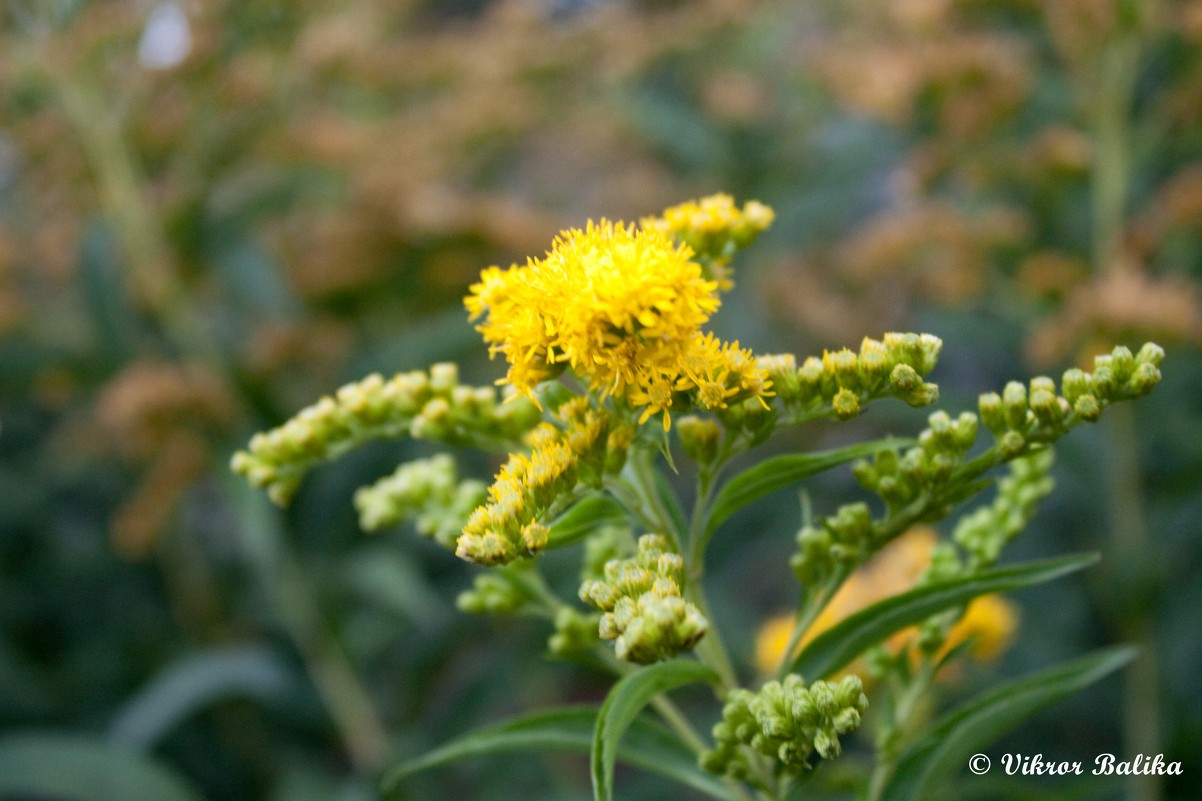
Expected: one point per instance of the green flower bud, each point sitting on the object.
(810, 379)
(875, 365)
(1105, 383)
(1045, 404)
(992, 412)
(1012, 444)
(846, 404)
(782, 372)
(1122, 363)
(964, 433)
(845, 367)
(575, 632)
(1144, 379)
(1076, 383)
(1014, 404)
(444, 377)
(1088, 408)
(699, 437)
(1150, 353)
(492, 594)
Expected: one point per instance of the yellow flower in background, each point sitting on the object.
(990, 620)
(622, 307)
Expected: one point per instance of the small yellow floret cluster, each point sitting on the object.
(529, 486)
(714, 227)
(622, 307)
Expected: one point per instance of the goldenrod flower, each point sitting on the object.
(622, 307)
(714, 227)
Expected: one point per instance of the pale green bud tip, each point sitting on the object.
(1145, 377)
(492, 595)
(699, 437)
(575, 632)
(992, 412)
(1150, 353)
(1014, 405)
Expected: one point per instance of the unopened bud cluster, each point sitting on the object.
(986, 531)
(492, 594)
(1036, 413)
(843, 381)
(900, 477)
(844, 539)
(575, 632)
(786, 722)
(432, 406)
(427, 491)
(644, 612)
(530, 488)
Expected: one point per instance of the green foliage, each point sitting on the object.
(623, 704)
(191, 253)
(836, 647)
(76, 768)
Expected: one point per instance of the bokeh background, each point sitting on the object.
(213, 212)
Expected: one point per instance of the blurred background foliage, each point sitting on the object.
(212, 212)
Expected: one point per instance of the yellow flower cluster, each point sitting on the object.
(990, 620)
(529, 486)
(623, 308)
(714, 227)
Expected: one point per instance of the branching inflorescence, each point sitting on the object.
(618, 312)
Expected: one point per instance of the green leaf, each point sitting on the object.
(781, 471)
(584, 518)
(667, 497)
(199, 681)
(945, 749)
(622, 706)
(77, 768)
(647, 745)
(839, 645)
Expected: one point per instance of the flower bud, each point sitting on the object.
(1076, 383)
(699, 437)
(1150, 353)
(1145, 377)
(1014, 404)
(1122, 363)
(992, 412)
(846, 404)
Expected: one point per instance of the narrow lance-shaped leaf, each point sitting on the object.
(196, 682)
(584, 518)
(945, 749)
(781, 471)
(839, 645)
(622, 706)
(75, 768)
(647, 745)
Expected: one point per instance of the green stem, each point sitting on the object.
(345, 697)
(889, 750)
(1114, 92)
(811, 606)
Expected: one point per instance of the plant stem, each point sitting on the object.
(1114, 91)
(889, 751)
(810, 607)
